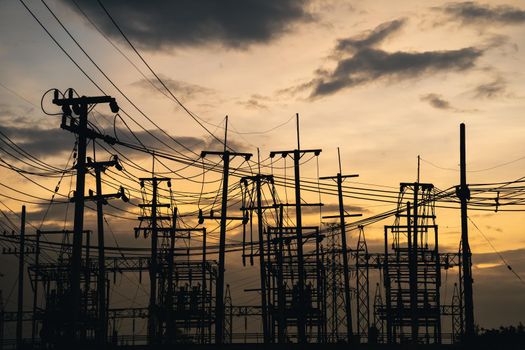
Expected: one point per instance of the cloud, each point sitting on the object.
(515, 257)
(45, 139)
(39, 141)
(254, 102)
(370, 64)
(470, 12)
(359, 61)
(371, 38)
(181, 89)
(436, 101)
(158, 24)
(493, 89)
(168, 143)
(333, 209)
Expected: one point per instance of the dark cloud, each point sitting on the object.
(359, 61)
(473, 13)
(252, 103)
(370, 64)
(181, 89)
(46, 139)
(159, 140)
(160, 24)
(498, 291)
(514, 257)
(39, 141)
(333, 209)
(370, 39)
(436, 101)
(493, 89)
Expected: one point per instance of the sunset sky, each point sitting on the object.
(385, 81)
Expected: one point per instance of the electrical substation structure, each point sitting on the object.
(315, 283)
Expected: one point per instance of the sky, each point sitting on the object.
(384, 81)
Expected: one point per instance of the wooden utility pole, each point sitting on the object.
(339, 178)
(102, 199)
(80, 107)
(259, 179)
(35, 288)
(154, 218)
(171, 331)
(226, 156)
(297, 154)
(21, 253)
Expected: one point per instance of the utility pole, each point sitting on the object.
(297, 155)
(154, 228)
(20, 309)
(79, 106)
(171, 257)
(35, 289)
(463, 193)
(412, 265)
(258, 181)
(413, 258)
(226, 156)
(101, 200)
(339, 178)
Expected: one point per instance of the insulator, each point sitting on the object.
(114, 106)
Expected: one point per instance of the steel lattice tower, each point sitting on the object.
(336, 319)
(362, 287)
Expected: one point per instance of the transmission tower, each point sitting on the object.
(335, 294)
(362, 287)
(152, 222)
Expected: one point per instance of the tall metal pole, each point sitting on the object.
(339, 178)
(262, 267)
(344, 251)
(413, 278)
(78, 225)
(219, 306)
(412, 263)
(80, 127)
(171, 257)
(20, 308)
(301, 319)
(281, 297)
(35, 294)
(464, 195)
(219, 303)
(152, 320)
(101, 278)
(297, 154)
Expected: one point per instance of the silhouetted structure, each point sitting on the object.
(312, 279)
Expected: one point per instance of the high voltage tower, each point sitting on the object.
(315, 282)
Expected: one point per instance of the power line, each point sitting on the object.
(497, 252)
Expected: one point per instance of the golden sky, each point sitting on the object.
(385, 81)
